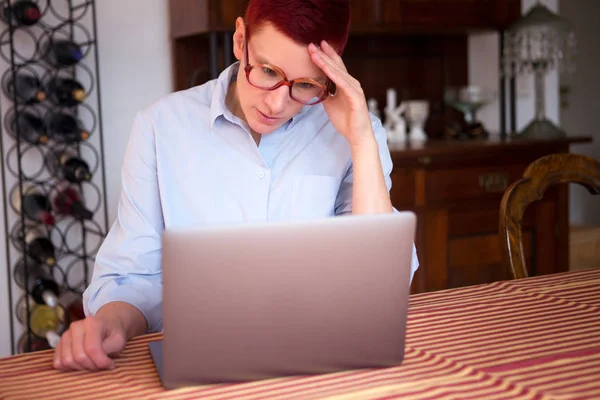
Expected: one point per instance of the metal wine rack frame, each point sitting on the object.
(76, 242)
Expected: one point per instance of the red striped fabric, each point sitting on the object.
(535, 338)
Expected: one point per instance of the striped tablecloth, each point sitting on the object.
(536, 338)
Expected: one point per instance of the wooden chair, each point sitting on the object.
(541, 174)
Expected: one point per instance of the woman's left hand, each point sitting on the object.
(347, 109)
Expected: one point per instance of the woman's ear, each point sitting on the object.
(238, 38)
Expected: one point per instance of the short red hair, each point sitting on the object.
(304, 21)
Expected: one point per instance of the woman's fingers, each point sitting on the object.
(331, 53)
(78, 349)
(335, 57)
(67, 360)
(339, 76)
(93, 343)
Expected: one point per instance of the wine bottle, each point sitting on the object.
(72, 302)
(37, 344)
(39, 283)
(34, 204)
(27, 89)
(39, 247)
(21, 12)
(67, 165)
(66, 92)
(65, 128)
(68, 201)
(44, 321)
(62, 53)
(28, 127)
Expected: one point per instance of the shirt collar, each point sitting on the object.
(218, 106)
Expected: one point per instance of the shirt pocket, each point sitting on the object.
(314, 196)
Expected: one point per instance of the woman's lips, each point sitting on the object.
(265, 119)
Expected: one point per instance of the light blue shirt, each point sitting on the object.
(191, 162)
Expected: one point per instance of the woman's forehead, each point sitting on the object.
(268, 45)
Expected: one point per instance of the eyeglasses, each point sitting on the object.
(269, 77)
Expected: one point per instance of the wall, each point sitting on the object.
(135, 70)
(483, 70)
(581, 113)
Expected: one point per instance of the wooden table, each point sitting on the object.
(536, 338)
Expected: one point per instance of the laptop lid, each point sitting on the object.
(263, 300)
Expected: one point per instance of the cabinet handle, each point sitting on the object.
(378, 12)
(425, 160)
(494, 182)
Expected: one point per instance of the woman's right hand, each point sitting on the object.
(89, 344)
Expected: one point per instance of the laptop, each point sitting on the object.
(265, 300)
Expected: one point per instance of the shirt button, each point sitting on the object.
(260, 175)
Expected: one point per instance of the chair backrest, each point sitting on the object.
(541, 174)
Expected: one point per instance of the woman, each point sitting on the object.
(284, 133)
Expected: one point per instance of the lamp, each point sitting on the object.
(537, 43)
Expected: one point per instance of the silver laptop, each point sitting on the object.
(266, 300)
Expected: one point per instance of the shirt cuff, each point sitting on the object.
(144, 293)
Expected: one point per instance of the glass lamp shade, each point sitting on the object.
(537, 43)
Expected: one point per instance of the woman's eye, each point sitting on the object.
(306, 85)
(269, 71)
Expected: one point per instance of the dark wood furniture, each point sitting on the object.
(537, 179)
(418, 47)
(456, 187)
(418, 67)
(432, 16)
(191, 17)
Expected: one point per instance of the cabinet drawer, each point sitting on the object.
(192, 17)
(402, 193)
(454, 185)
(188, 17)
(484, 220)
(467, 13)
(478, 259)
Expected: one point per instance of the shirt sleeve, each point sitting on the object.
(128, 264)
(344, 198)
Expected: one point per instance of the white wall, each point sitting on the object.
(581, 114)
(135, 70)
(484, 71)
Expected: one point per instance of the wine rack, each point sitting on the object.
(53, 172)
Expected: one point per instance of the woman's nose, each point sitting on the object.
(278, 99)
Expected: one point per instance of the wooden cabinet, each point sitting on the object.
(364, 15)
(190, 17)
(456, 188)
(193, 17)
(419, 45)
(451, 14)
(432, 16)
